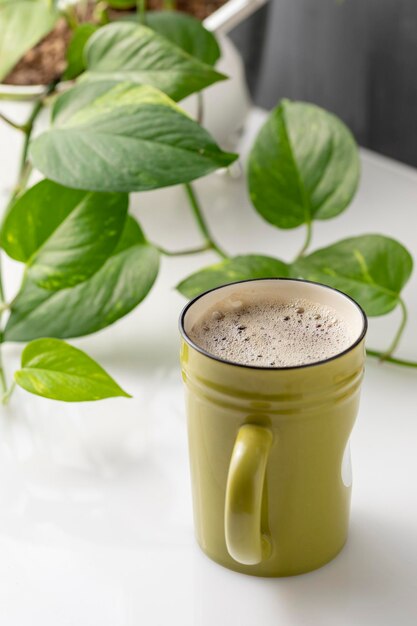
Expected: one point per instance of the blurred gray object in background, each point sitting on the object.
(355, 58)
(250, 38)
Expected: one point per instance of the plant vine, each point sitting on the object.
(284, 201)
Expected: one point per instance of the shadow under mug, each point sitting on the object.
(269, 446)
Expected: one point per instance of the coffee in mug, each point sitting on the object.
(271, 332)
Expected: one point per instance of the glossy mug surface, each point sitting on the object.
(269, 447)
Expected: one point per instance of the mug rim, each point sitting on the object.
(191, 343)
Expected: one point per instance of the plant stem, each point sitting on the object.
(3, 382)
(101, 14)
(25, 165)
(3, 305)
(387, 355)
(38, 106)
(189, 251)
(398, 334)
(202, 224)
(11, 123)
(7, 395)
(71, 17)
(307, 242)
(4, 392)
(390, 359)
(23, 177)
(141, 10)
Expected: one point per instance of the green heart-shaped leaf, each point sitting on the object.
(232, 270)
(303, 166)
(112, 292)
(186, 32)
(23, 23)
(63, 235)
(53, 369)
(131, 52)
(75, 51)
(123, 138)
(372, 269)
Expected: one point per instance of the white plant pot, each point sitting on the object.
(226, 105)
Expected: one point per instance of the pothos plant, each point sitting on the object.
(118, 129)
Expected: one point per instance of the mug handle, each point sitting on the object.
(244, 491)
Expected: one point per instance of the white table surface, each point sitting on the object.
(95, 510)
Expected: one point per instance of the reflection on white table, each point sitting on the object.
(96, 520)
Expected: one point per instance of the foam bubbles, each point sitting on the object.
(269, 333)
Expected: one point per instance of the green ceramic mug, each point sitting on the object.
(269, 447)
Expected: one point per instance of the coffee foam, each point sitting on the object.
(272, 333)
